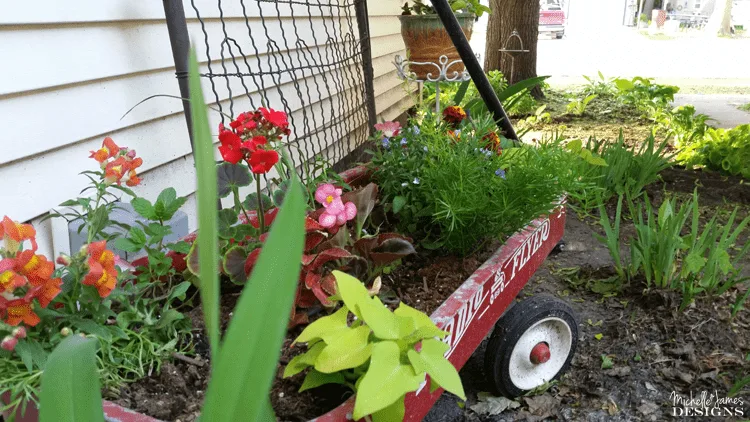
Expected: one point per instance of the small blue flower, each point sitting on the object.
(425, 149)
(386, 143)
(500, 172)
(403, 185)
(457, 132)
(416, 180)
(403, 142)
(415, 130)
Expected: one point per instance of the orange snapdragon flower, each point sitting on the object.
(14, 233)
(36, 268)
(9, 279)
(19, 310)
(47, 292)
(108, 150)
(102, 271)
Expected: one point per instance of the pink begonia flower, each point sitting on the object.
(337, 213)
(389, 129)
(326, 193)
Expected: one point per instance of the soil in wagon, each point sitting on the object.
(653, 349)
(423, 281)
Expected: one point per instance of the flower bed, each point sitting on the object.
(452, 184)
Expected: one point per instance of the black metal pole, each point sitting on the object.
(180, 40)
(363, 22)
(451, 24)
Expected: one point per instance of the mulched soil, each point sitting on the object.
(655, 350)
(423, 281)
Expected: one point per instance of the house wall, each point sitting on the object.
(73, 69)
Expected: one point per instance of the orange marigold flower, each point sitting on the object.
(47, 292)
(492, 142)
(36, 268)
(108, 150)
(102, 272)
(454, 115)
(20, 310)
(14, 233)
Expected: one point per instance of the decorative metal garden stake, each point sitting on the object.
(510, 52)
(443, 75)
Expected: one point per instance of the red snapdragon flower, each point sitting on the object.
(276, 118)
(262, 161)
(102, 272)
(115, 170)
(230, 148)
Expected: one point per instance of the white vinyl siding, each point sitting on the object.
(72, 70)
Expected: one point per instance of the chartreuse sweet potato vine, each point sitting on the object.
(375, 354)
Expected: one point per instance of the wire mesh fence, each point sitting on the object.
(306, 57)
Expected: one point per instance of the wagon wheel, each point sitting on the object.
(532, 344)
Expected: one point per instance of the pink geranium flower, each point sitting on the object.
(336, 212)
(389, 129)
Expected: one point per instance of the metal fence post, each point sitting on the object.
(363, 23)
(180, 41)
(471, 62)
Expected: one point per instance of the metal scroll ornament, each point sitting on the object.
(441, 74)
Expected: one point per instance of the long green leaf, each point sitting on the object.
(520, 86)
(208, 247)
(70, 384)
(247, 360)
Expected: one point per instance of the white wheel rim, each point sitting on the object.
(526, 375)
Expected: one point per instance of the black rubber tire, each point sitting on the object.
(509, 329)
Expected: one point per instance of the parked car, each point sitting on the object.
(551, 18)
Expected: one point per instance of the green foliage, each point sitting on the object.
(456, 193)
(600, 87)
(727, 151)
(644, 94)
(375, 354)
(459, 6)
(628, 171)
(671, 251)
(682, 124)
(239, 388)
(578, 107)
(71, 385)
(516, 99)
(744, 107)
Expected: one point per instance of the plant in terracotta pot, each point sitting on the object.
(426, 39)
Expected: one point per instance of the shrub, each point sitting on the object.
(455, 188)
(722, 150)
(644, 94)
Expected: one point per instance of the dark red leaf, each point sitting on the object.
(312, 279)
(328, 255)
(308, 259)
(390, 251)
(314, 239)
(311, 224)
(305, 298)
(250, 261)
(328, 284)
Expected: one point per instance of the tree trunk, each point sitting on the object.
(648, 6)
(720, 22)
(506, 16)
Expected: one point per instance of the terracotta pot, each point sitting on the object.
(426, 40)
